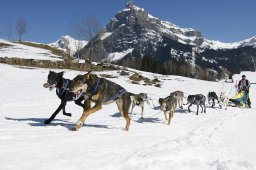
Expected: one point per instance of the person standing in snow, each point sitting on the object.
(244, 85)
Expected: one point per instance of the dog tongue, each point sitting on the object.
(46, 85)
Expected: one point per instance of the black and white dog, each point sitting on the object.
(197, 99)
(139, 100)
(63, 90)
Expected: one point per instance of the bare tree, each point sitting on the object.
(77, 33)
(21, 27)
(8, 30)
(86, 29)
(92, 27)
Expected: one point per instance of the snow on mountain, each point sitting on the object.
(117, 55)
(16, 50)
(134, 28)
(221, 45)
(216, 140)
(248, 42)
(192, 36)
(69, 44)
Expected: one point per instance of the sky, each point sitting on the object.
(48, 20)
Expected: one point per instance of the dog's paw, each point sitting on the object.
(67, 114)
(47, 122)
(73, 129)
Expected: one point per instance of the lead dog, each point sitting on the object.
(63, 91)
(139, 100)
(101, 91)
(168, 104)
(198, 100)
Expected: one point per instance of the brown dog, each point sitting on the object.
(168, 104)
(101, 91)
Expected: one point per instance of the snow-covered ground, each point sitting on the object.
(217, 140)
(16, 50)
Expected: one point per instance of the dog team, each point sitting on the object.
(91, 88)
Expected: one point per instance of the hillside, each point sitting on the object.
(29, 50)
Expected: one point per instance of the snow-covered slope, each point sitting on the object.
(67, 43)
(217, 140)
(16, 50)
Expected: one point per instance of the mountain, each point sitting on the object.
(69, 44)
(136, 39)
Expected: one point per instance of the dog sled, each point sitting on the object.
(240, 99)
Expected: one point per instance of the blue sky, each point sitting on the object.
(47, 20)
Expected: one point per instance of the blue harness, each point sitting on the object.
(119, 93)
(95, 88)
(63, 89)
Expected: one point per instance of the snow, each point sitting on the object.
(137, 8)
(248, 42)
(69, 43)
(115, 56)
(152, 17)
(217, 140)
(213, 44)
(16, 50)
(105, 35)
(249, 75)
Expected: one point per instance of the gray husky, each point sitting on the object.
(168, 104)
(197, 99)
(212, 96)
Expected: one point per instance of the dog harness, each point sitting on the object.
(92, 91)
(121, 92)
(61, 91)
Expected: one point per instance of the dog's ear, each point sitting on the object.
(62, 73)
(87, 75)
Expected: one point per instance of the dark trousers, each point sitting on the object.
(248, 98)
